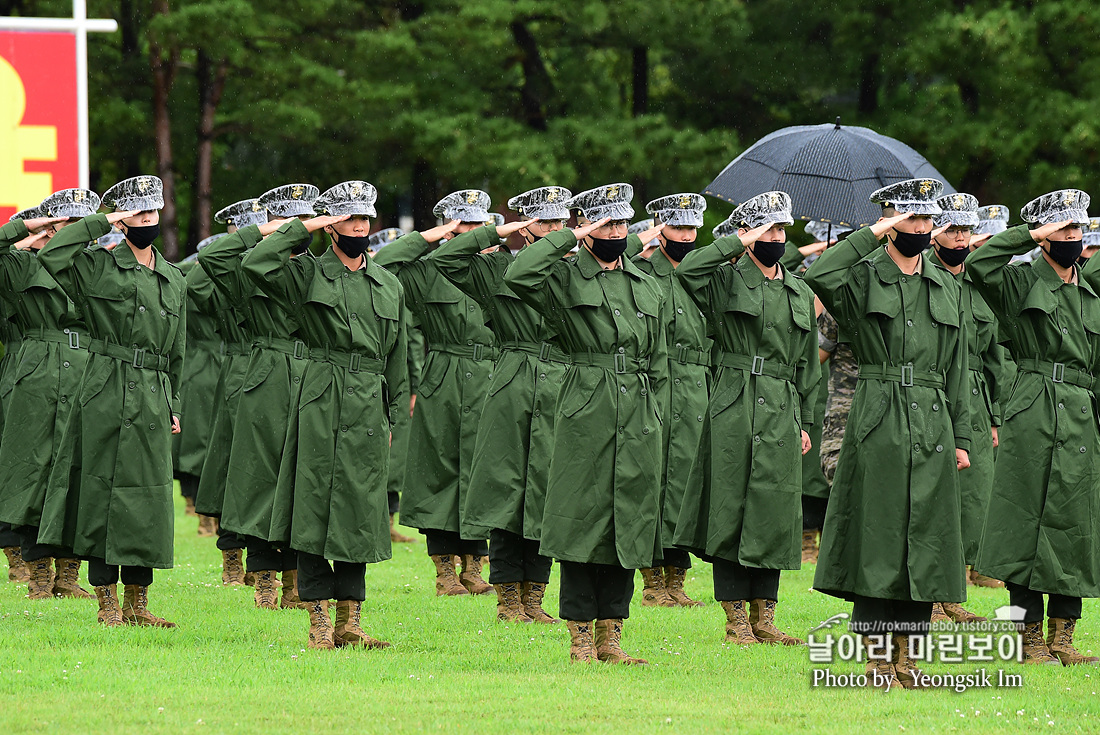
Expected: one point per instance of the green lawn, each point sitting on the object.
(232, 668)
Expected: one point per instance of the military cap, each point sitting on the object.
(725, 228)
(242, 214)
(1057, 206)
(959, 210)
(496, 219)
(640, 227)
(28, 213)
(1091, 238)
(141, 193)
(384, 237)
(467, 205)
(992, 219)
(70, 203)
(290, 200)
(769, 208)
(826, 231)
(611, 200)
(206, 241)
(678, 210)
(912, 195)
(545, 203)
(114, 237)
(348, 197)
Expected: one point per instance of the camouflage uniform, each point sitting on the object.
(842, 386)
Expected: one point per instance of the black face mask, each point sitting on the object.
(910, 244)
(952, 256)
(768, 253)
(1082, 261)
(300, 249)
(142, 237)
(352, 246)
(608, 250)
(677, 250)
(1065, 252)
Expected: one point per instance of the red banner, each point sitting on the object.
(38, 118)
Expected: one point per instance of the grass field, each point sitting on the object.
(232, 668)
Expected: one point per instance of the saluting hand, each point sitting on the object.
(939, 231)
(807, 445)
(885, 224)
(268, 228)
(37, 224)
(1042, 233)
(510, 228)
(962, 459)
(976, 240)
(116, 217)
(30, 240)
(585, 230)
(754, 234)
(316, 223)
(436, 234)
(814, 247)
(648, 236)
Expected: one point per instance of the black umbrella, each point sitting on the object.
(828, 170)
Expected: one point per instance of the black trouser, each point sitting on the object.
(189, 485)
(813, 512)
(31, 550)
(733, 581)
(102, 574)
(875, 616)
(513, 558)
(674, 558)
(394, 499)
(227, 540)
(8, 537)
(1058, 606)
(264, 556)
(594, 591)
(342, 580)
(441, 543)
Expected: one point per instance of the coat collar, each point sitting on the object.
(333, 267)
(1052, 281)
(889, 272)
(753, 276)
(590, 267)
(660, 263)
(124, 258)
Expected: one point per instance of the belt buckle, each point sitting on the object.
(544, 351)
(757, 365)
(353, 364)
(620, 363)
(299, 350)
(479, 351)
(907, 376)
(1059, 373)
(682, 355)
(139, 357)
(74, 339)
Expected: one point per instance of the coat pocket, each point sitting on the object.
(727, 391)
(258, 370)
(576, 397)
(506, 369)
(316, 381)
(872, 408)
(1024, 393)
(96, 376)
(31, 358)
(435, 372)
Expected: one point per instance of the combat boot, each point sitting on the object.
(654, 592)
(110, 613)
(189, 506)
(348, 631)
(471, 576)
(762, 620)
(290, 599)
(17, 569)
(233, 568)
(266, 595)
(532, 603)
(938, 614)
(1035, 648)
(320, 625)
(674, 586)
(883, 667)
(396, 536)
(208, 526)
(904, 668)
(40, 584)
(960, 614)
(738, 627)
(1060, 643)
(67, 579)
(446, 581)
(581, 647)
(810, 548)
(135, 608)
(510, 603)
(609, 643)
(980, 580)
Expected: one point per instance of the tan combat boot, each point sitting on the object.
(581, 647)
(233, 568)
(67, 579)
(1035, 647)
(510, 603)
(960, 614)
(762, 619)
(396, 536)
(980, 580)
(348, 631)
(189, 506)
(654, 592)
(290, 599)
(40, 584)
(17, 570)
(266, 596)
(1060, 643)
(471, 576)
(532, 603)
(674, 585)
(446, 581)
(905, 668)
(810, 548)
(135, 608)
(320, 625)
(938, 614)
(110, 613)
(882, 666)
(738, 628)
(208, 526)
(609, 643)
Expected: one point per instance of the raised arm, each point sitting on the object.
(461, 262)
(270, 268)
(533, 266)
(63, 255)
(696, 270)
(221, 260)
(1002, 287)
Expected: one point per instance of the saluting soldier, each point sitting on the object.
(986, 363)
(459, 364)
(515, 436)
(746, 516)
(602, 511)
(892, 541)
(349, 315)
(685, 400)
(1042, 527)
(110, 490)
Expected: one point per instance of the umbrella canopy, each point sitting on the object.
(828, 170)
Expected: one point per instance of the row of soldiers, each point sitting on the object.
(616, 412)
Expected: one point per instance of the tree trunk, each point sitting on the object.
(641, 81)
(163, 64)
(537, 85)
(211, 84)
(424, 194)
